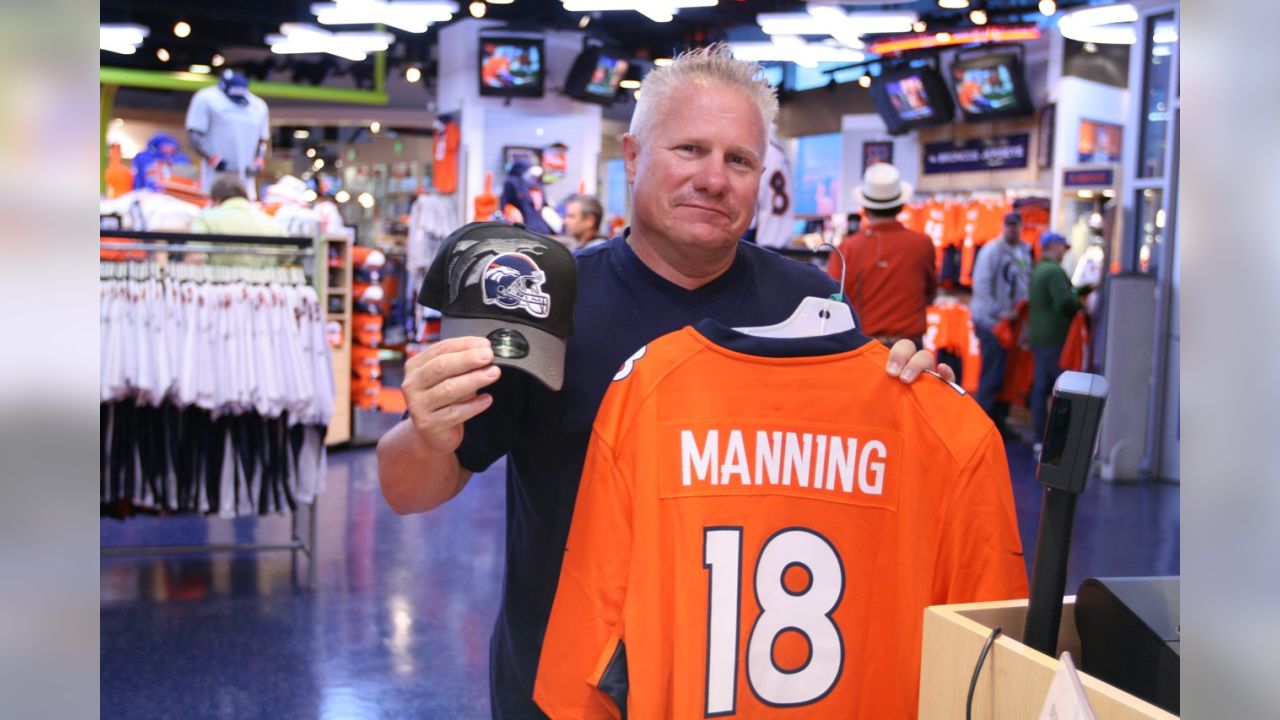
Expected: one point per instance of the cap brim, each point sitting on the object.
(545, 360)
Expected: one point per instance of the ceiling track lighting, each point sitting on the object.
(953, 4)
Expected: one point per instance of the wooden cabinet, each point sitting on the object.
(336, 299)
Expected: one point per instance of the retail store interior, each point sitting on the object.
(278, 178)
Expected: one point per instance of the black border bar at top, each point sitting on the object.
(213, 239)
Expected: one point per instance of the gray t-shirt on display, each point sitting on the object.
(231, 131)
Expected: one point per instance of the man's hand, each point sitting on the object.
(906, 364)
(441, 388)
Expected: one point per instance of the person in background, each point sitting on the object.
(522, 190)
(232, 213)
(1053, 303)
(582, 218)
(889, 273)
(1000, 275)
(693, 155)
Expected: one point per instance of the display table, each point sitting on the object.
(1015, 678)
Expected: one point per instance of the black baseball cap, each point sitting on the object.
(510, 285)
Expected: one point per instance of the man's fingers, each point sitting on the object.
(946, 372)
(919, 362)
(444, 347)
(446, 366)
(899, 355)
(453, 415)
(460, 388)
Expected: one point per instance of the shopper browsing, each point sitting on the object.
(582, 218)
(1053, 304)
(1000, 276)
(889, 273)
(693, 157)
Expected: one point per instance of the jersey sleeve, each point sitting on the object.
(494, 432)
(980, 553)
(198, 113)
(581, 673)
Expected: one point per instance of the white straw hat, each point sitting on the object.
(882, 188)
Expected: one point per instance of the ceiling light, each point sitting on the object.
(310, 195)
(978, 16)
(584, 21)
(1048, 7)
(501, 2)
(1106, 25)
(655, 10)
(302, 38)
(162, 54)
(865, 81)
(318, 164)
(629, 84)
(943, 37)
(311, 152)
(920, 26)
(342, 196)
(217, 60)
(413, 74)
(301, 134)
(478, 9)
(1164, 34)
(953, 4)
(794, 50)
(365, 200)
(662, 62)
(375, 127)
(181, 28)
(200, 69)
(122, 38)
(413, 16)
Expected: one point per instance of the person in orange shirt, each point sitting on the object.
(888, 270)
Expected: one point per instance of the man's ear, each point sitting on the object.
(630, 151)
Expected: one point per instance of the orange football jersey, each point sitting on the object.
(760, 525)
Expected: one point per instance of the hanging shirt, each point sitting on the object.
(775, 204)
(231, 131)
(761, 524)
(444, 164)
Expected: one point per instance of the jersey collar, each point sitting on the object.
(730, 339)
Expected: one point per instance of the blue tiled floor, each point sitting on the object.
(399, 623)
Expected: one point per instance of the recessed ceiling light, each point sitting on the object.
(182, 28)
(865, 81)
(478, 9)
(162, 54)
(200, 69)
(217, 60)
(413, 74)
(953, 4)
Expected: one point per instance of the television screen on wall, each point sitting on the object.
(990, 86)
(596, 75)
(908, 98)
(511, 66)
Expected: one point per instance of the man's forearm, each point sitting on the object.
(414, 477)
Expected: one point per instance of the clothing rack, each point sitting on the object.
(302, 539)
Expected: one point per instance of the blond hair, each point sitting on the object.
(713, 64)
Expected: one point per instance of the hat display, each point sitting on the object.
(882, 188)
(510, 285)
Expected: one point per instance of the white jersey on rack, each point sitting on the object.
(232, 132)
(775, 203)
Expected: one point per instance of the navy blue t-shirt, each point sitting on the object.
(621, 305)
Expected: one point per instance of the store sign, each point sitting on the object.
(1005, 152)
(1088, 178)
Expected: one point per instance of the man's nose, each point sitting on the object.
(711, 177)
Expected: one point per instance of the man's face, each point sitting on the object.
(1012, 231)
(696, 174)
(577, 223)
(1054, 251)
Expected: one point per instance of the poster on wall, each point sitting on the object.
(1002, 152)
(876, 151)
(511, 153)
(1099, 142)
(555, 163)
(1044, 158)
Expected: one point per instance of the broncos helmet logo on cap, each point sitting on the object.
(514, 281)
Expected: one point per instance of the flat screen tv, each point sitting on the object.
(511, 66)
(909, 98)
(596, 75)
(990, 86)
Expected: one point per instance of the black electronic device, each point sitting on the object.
(909, 97)
(1130, 636)
(990, 84)
(511, 66)
(596, 75)
(1070, 436)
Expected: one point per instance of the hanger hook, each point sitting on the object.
(834, 251)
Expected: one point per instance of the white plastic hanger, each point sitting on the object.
(814, 316)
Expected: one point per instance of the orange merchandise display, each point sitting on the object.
(118, 176)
